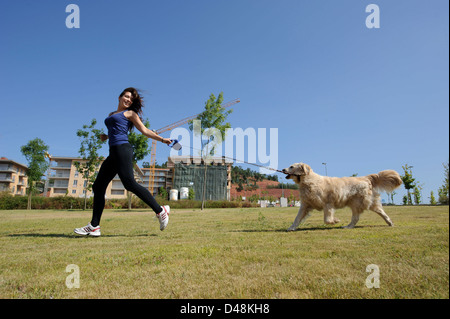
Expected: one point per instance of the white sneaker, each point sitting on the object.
(88, 230)
(163, 217)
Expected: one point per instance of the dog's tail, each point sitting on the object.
(385, 180)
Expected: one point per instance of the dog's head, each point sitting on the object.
(295, 171)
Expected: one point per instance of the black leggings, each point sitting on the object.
(119, 161)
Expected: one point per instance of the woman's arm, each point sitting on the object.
(134, 118)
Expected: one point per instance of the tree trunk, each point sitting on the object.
(30, 194)
(29, 199)
(204, 188)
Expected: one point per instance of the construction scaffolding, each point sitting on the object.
(193, 176)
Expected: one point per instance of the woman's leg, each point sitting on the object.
(124, 161)
(107, 172)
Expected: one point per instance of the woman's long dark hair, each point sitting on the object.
(136, 105)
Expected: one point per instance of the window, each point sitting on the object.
(75, 183)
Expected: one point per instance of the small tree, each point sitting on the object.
(417, 194)
(163, 192)
(191, 194)
(432, 199)
(90, 144)
(408, 181)
(291, 198)
(444, 189)
(212, 118)
(35, 152)
(405, 200)
(391, 196)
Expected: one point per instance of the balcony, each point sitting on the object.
(5, 177)
(65, 164)
(59, 174)
(117, 185)
(59, 184)
(7, 169)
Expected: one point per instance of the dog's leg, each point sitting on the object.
(377, 208)
(301, 216)
(355, 218)
(328, 216)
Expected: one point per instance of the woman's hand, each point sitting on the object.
(103, 137)
(166, 141)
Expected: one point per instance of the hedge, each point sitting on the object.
(8, 201)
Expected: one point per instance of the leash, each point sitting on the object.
(177, 146)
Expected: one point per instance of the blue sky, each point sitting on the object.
(361, 100)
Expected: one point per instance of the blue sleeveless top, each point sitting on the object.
(118, 126)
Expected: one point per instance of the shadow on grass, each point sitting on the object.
(282, 230)
(302, 229)
(35, 235)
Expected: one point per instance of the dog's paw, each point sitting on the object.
(292, 228)
(348, 227)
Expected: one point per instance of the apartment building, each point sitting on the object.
(13, 177)
(163, 178)
(64, 179)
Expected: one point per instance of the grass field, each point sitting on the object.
(225, 253)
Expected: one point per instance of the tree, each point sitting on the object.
(291, 198)
(405, 199)
(35, 152)
(391, 196)
(432, 199)
(163, 192)
(444, 189)
(408, 181)
(417, 194)
(139, 142)
(191, 194)
(211, 124)
(90, 144)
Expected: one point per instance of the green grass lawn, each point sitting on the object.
(225, 253)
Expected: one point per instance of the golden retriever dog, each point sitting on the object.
(330, 193)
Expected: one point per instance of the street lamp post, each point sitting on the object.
(326, 172)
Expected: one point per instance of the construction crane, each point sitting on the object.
(151, 181)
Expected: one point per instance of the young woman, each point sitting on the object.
(120, 160)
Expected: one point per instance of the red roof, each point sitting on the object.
(263, 191)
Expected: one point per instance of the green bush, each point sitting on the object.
(9, 202)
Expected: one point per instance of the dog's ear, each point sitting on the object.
(305, 169)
